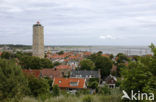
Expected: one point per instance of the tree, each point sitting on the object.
(104, 64)
(38, 87)
(87, 64)
(50, 81)
(35, 62)
(104, 90)
(56, 90)
(93, 85)
(120, 66)
(6, 55)
(13, 84)
(56, 63)
(61, 52)
(111, 56)
(92, 57)
(122, 58)
(46, 63)
(153, 48)
(136, 77)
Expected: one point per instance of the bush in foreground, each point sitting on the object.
(87, 99)
(12, 81)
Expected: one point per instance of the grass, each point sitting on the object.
(71, 98)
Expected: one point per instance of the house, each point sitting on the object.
(64, 69)
(0, 53)
(106, 55)
(51, 73)
(35, 73)
(111, 81)
(84, 74)
(86, 54)
(70, 83)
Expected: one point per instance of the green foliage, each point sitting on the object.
(93, 85)
(50, 81)
(94, 79)
(153, 48)
(46, 63)
(136, 77)
(35, 62)
(93, 57)
(61, 52)
(152, 65)
(87, 64)
(38, 87)
(56, 90)
(122, 58)
(111, 56)
(56, 63)
(87, 98)
(104, 90)
(13, 84)
(120, 66)
(104, 64)
(83, 92)
(6, 55)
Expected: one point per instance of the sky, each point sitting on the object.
(79, 22)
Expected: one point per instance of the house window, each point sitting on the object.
(60, 81)
(78, 76)
(73, 83)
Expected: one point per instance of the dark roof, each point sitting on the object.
(84, 73)
(37, 25)
(111, 79)
(51, 73)
(32, 72)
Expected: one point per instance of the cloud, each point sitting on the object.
(107, 37)
(83, 20)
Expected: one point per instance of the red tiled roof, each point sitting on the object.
(33, 72)
(63, 67)
(105, 55)
(51, 73)
(66, 82)
(0, 53)
(87, 53)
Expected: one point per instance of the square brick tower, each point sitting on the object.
(38, 40)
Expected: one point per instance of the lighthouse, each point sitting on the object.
(38, 40)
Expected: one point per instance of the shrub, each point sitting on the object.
(93, 85)
(13, 83)
(87, 99)
(38, 87)
(84, 92)
(104, 90)
(56, 90)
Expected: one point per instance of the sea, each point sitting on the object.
(128, 50)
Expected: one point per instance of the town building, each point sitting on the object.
(70, 83)
(38, 40)
(51, 73)
(84, 74)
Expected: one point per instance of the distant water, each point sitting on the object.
(128, 50)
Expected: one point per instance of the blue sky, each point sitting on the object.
(79, 22)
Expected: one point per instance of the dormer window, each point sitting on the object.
(60, 81)
(73, 83)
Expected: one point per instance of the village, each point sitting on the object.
(67, 74)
